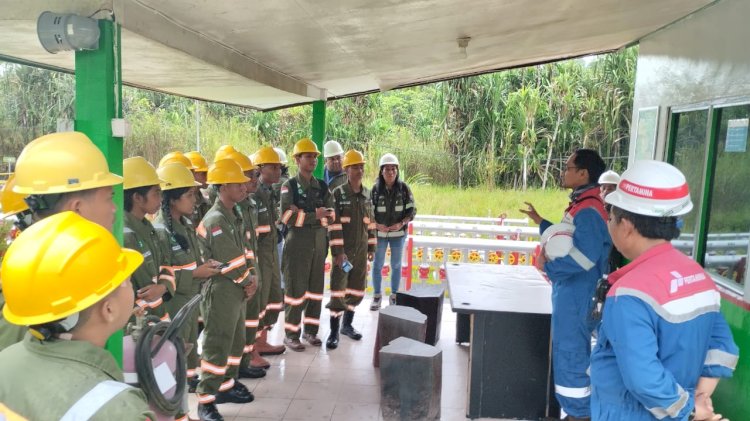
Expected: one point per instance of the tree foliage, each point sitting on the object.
(512, 129)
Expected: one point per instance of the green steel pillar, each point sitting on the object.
(319, 131)
(98, 101)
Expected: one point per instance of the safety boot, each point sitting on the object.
(264, 348)
(347, 329)
(193, 384)
(209, 412)
(375, 306)
(333, 337)
(312, 339)
(256, 361)
(251, 372)
(237, 394)
(294, 344)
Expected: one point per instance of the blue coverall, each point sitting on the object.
(661, 331)
(574, 280)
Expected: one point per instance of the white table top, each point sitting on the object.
(476, 288)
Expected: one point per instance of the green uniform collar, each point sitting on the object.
(79, 351)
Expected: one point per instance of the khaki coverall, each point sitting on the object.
(183, 262)
(304, 254)
(249, 213)
(222, 237)
(73, 380)
(141, 236)
(352, 233)
(267, 255)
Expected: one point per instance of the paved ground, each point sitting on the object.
(341, 384)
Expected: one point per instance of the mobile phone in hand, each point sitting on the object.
(222, 266)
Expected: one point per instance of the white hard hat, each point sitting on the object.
(332, 148)
(388, 159)
(557, 240)
(609, 177)
(652, 188)
(282, 155)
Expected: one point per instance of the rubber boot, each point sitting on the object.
(333, 337)
(347, 329)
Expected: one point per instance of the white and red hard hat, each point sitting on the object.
(557, 240)
(652, 188)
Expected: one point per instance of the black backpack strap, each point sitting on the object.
(295, 191)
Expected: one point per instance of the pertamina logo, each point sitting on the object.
(679, 281)
(638, 190)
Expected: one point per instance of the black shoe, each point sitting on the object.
(347, 329)
(209, 412)
(235, 395)
(241, 388)
(193, 384)
(333, 337)
(251, 372)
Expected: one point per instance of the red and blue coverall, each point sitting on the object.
(574, 280)
(661, 331)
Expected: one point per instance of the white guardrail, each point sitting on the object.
(472, 220)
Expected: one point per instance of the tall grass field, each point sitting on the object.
(482, 202)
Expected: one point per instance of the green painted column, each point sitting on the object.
(98, 101)
(319, 131)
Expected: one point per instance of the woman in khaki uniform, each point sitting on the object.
(153, 281)
(177, 236)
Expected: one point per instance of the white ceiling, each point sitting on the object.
(270, 54)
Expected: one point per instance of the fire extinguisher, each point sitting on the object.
(154, 360)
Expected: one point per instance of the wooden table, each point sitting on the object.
(509, 362)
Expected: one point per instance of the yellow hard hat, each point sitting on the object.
(139, 173)
(199, 161)
(224, 152)
(60, 266)
(353, 157)
(245, 163)
(305, 145)
(7, 414)
(11, 203)
(225, 171)
(61, 163)
(267, 155)
(176, 156)
(176, 176)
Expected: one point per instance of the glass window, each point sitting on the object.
(690, 158)
(729, 217)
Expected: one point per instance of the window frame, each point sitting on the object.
(715, 109)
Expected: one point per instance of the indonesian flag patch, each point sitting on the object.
(284, 189)
(216, 231)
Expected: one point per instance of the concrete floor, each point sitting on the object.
(341, 384)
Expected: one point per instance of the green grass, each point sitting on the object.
(446, 200)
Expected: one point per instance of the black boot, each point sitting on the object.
(251, 372)
(237, 394)
(208, 412)
(193, 384)
(333, 337)
(347, 329)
